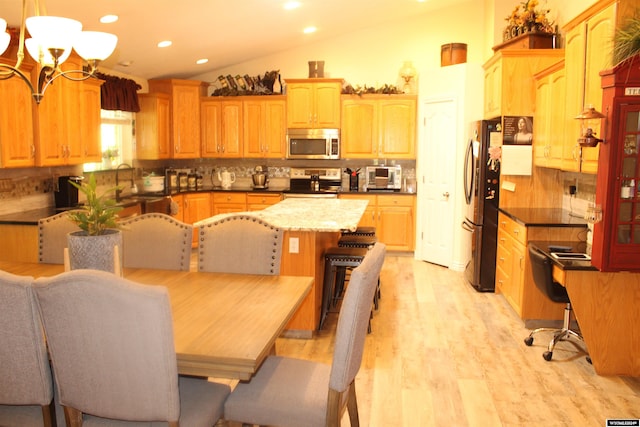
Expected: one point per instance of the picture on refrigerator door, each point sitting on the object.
(518, 130)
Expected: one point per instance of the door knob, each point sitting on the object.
(445, 194)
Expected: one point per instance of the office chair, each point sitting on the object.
(543, 278)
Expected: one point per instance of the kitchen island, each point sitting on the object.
(310, 227)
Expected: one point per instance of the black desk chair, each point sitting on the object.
(543, 277)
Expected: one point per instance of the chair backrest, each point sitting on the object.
(52, 237)
(25, 375)
(111, 345)
(353, 319)
(239, 244)
(542, 271)
(156, 240)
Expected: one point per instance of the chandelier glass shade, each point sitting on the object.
(52, 39)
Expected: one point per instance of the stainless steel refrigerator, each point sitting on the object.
(482, 190)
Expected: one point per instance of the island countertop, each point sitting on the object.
(308, 214)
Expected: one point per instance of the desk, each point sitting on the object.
(225, 325)
(606, 308)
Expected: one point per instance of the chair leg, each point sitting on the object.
(72, 416)
(49, 415)
(352, 406)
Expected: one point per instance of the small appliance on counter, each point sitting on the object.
(260, 178)
(66, 195)
(383, 178)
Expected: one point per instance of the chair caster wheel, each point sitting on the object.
(547, 355)
(589, 360)
(528, 341)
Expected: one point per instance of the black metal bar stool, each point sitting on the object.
(356, 241)
(361, 231)
(336, 262)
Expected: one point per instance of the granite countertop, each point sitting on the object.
(544, 217)
(322, 215)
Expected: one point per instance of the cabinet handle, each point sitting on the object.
(516, 232)
(33, 151)
(502, 240)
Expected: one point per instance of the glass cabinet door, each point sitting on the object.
(627, 226)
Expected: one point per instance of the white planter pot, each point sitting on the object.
(94, 252)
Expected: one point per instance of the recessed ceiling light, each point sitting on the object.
(310, 30)
(165, 43)
(109, 19)
(290, 5)
(202, 61)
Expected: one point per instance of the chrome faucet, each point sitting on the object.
(133, 185)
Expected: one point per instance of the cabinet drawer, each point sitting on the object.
(513, 229)
(229, 198)
(263, 199)
(502, 281)
(395, 200)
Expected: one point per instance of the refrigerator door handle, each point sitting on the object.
(469, 168)
(468, 225)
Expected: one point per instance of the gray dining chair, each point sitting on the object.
(293, 392)
(52, 237)
(26, 391)
(112, 351)
(239, 243)
(156, 240)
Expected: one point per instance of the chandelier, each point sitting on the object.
(52, 39)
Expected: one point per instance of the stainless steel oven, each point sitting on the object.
(314, 182)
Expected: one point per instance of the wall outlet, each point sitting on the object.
(573, 190)
(294, 245)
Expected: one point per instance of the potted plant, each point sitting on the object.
(626, 42)
(93, 246)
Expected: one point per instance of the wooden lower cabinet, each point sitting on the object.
(19, 243)
(393, 216)
(514, 279)
(257, 202)
(222, 202)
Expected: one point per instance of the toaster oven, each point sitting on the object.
(383, 178)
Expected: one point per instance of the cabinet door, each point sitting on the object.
(396, 222)
(601, 29)
(275, 132)
(231, 129)
(253, 125)
(152, 127)
(557, 83)
(493, 90)
(211, 128)
(51, 149)
(574, 66)
(185, 112)
(300, 100)
(397, 132)
(197, 206)
(359, 133)
(541, 123)
(17, 147)
(90, 120)
(327, 105)
(256, 202)
(228, 202)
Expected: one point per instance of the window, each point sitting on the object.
(117, 140)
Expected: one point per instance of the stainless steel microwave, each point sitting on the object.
(313, 144)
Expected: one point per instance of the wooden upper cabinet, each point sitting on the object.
(549, 117)
(378, 126)
(221, 127)
(264, 126)
(509, 85)
(90, 120)
(153, 126)
(184, 98)
(17, 145)
(313, 103)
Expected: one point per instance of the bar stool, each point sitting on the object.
(361, 231)
(336, 262)
(352, 240)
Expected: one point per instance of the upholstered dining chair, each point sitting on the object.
(26, 391)
(156, 240)
(112, 351)
(52, 237)
(239, 243)
(292, 392)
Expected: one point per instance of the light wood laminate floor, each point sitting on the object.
(442, 354)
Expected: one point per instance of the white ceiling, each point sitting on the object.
(226, 32)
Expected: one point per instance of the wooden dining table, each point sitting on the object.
(224, 325)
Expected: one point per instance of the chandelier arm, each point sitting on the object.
(13, 71)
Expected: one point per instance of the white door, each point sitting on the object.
(437, 192)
